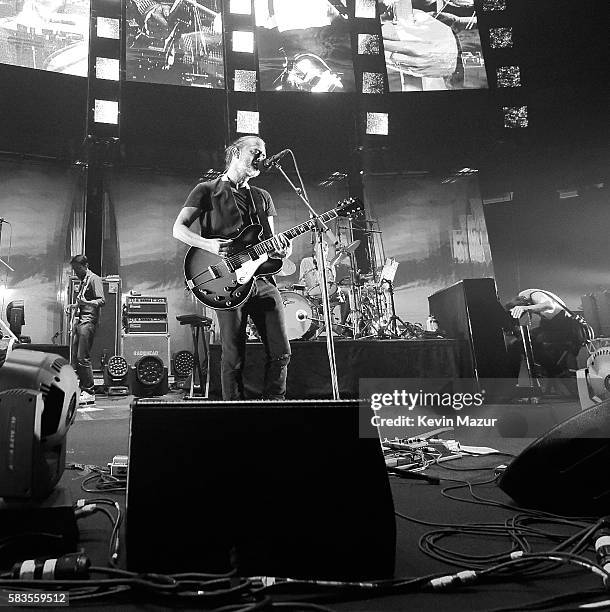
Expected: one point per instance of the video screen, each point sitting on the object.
(432, 45)
(178, 43)
(46, 34)
(304, 46)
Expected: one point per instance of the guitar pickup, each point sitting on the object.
(214, 273)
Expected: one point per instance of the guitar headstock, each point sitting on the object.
(351, 207)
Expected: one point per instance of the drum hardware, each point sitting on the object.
(342, 252)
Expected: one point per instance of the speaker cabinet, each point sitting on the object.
(277, 488)
(136, 346)
(470, 312)
(564, 471)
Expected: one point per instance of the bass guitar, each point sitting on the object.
(225, 282)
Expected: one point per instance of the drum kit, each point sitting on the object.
(368, 314)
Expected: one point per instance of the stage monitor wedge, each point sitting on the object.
(564, 471)
(269, 488)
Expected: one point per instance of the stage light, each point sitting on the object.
(372, 83)
(494, 5)
(116, 376)
(108, 27)
(247, 122)
(377, 123)
(508, 76)
(501, 38)
(149, 370)
(107, 68)
(240, 7)
(183, 363)
(15, 315)
(245, 80)
(38, 400)
(366, 9)
(243, 42)
(369, 44)
(106, 111)
(148, 377)
(515, 116)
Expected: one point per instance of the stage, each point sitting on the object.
(308, 372)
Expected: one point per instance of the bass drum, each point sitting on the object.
(300, 314)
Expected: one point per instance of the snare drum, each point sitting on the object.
(300, 314)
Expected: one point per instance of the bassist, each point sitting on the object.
(223, 208)
(85, 319)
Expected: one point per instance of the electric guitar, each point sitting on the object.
(225, 282)
(73, 308)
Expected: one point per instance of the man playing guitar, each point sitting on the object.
(85, 318)
(224, 207)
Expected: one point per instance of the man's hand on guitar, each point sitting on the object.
(218, 246)
(285, 247)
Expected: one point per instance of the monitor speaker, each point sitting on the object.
(564, 471)
(470, 312)
(274, 488)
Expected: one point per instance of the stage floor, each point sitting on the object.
(308, 372)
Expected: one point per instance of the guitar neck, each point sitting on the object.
(271, 244)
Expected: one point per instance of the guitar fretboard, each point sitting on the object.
(271, 244)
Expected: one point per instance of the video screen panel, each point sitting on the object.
(432, 45)
(304, 46)
(178, 43)
(46, 34)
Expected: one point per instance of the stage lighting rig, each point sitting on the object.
(38, 401)
(183, 364)
(116, 375)
(148, 377)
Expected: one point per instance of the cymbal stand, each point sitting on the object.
(320, 229)
(355, 313)
(394, 320)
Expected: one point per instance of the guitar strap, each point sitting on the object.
(259, 210)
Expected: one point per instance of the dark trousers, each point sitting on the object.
(267, 312)
(82, 341)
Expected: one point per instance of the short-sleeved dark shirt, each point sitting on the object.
(225, 211)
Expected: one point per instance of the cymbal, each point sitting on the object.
(288, 268)
(342, 252)
(352, 246)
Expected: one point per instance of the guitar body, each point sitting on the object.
(221, 284)
(225, 283)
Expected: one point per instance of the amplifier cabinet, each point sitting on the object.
(146, 324)
(142, 304)
(136, 346)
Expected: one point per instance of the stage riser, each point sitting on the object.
(308, 372)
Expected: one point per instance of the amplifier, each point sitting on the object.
(146, 325)
(145, 304)
(141, 345)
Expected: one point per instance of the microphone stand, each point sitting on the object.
(320, 229)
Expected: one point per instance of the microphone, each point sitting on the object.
(265, 164)
(3, 220)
